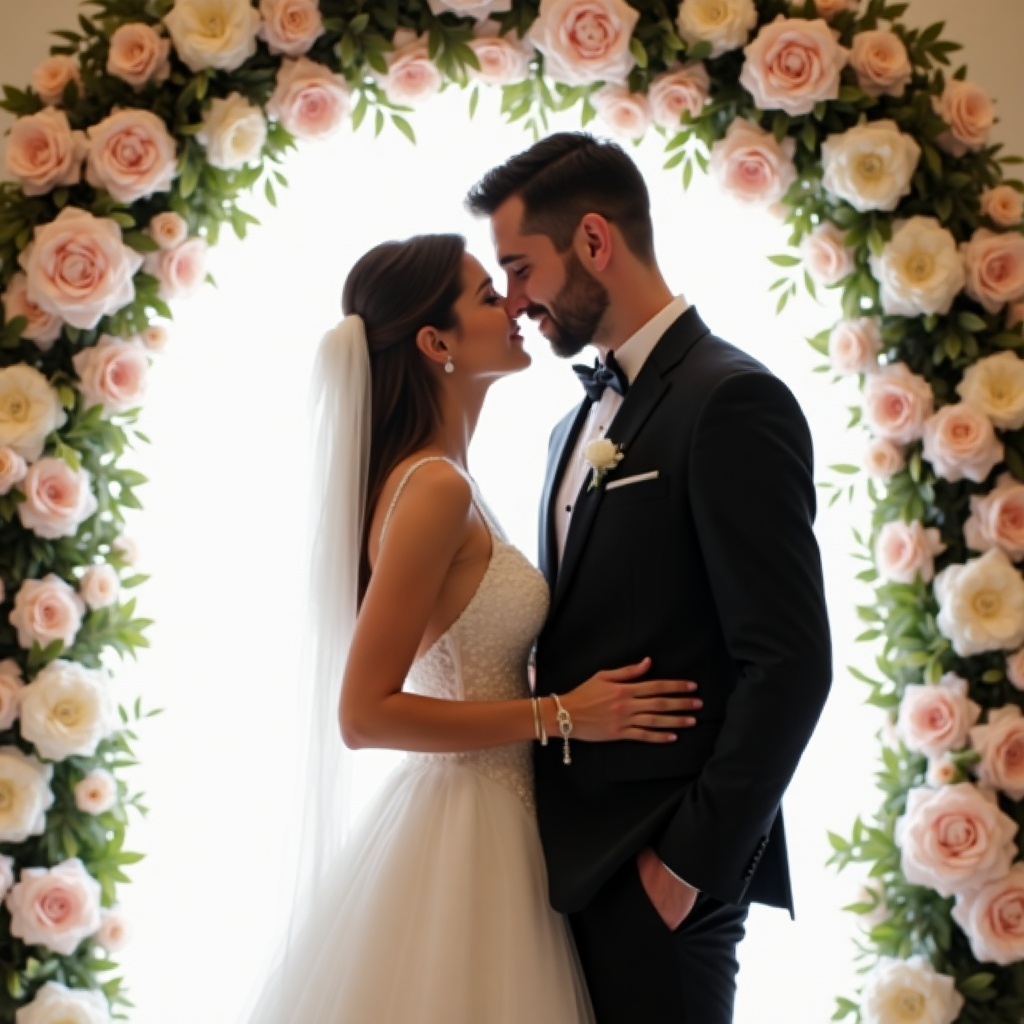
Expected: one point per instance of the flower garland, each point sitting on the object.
(131, 149)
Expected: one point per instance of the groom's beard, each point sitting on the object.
(576, 313)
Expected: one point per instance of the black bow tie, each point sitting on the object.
(600, 376)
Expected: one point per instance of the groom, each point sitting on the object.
(695, 549)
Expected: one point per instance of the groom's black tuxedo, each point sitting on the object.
(712, 569)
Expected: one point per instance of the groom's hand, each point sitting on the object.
(672, 897)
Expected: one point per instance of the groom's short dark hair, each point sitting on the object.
(562, 178)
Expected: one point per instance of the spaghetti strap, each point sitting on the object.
(401, 487)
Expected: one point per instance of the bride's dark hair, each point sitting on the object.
(398, 288)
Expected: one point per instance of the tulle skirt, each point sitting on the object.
(436, 913)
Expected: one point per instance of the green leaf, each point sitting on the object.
(404, 127)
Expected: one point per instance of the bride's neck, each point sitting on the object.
(460, 413)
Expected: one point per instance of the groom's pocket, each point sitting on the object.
(685, 756)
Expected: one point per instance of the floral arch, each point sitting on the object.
(134, 145)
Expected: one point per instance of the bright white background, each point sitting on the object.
(226, 511)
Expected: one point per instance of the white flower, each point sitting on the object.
(114, 932)
(725, 24)
(909, 992)
(46, 610)
(981, 604)
(13, 469)
(97, 792)
(233, 132)
(30, 410)
(155, 337)
(935, 719)
(920, 270)
(479, 10)
(25, 795)
(58, 499)
(585, 41)
(112, 373)
(56, 908)
(826, 256)
(997, 519)
(213, 33)
(11, 686)
(56, 1004)
(942, 771)
(870, 165)
(1000, 742)
(626, 114)
(602, 455)
(99, 586)
(906, 551)
(67, 710)
(992, 918)
(853, 346)
(995, 385)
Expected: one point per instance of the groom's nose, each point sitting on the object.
(516, 300)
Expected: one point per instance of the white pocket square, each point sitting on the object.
(627, 480)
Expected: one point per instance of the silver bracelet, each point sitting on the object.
(564, 727)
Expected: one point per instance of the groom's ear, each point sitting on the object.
(432, 345)
(594, 242)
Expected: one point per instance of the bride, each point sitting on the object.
(435, 910)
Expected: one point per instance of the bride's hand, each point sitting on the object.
(609, 706)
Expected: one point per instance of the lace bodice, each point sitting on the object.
(483, 655)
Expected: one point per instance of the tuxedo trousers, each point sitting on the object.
(639, 971)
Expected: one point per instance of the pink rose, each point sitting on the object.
(626, 114)
(828, 9)
(13, 469)
(412, 76)
(751, 165)
(881, 62)
(995, 268)
(46, 610)
(310, 101)
(969, 112)
(1000, 742)
(997, 519)
(112, 373)
(114, 932)
(826, 258)
(954, 839)
(43, 328)
(56, 908)
(853, 346)
(792, 65)
(905, 551)
(58, 499)
(290, 26)
(52, 77)
(897, 403)
(936, 719)
(138, 55)
(585, 41)
(1015, 669)
(126, 549)
(155, 338)
(99, 586)
(882, 459)
(1003, 205)
(43, 152)
(79, 268)
(131, 155)
(96, 793)
(992, 918)
(504, 60)
(11, 686)
(168, 229)
(180, 271)
(680, 90)
(959, 442)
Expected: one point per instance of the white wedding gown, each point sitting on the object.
(437, 911)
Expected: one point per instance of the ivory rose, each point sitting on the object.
(1003, 205)
(897, 403)
(30, 410)
(46, 610)
(139, 55)
(626, 114)
(6, 874)
(585, 41)
(79, 268)
(1000, 742)
(53, 76)
(233, 132)
(920, 270)
(112, 373)
(870, 165)
(906, 551)
(54, 1003)
(96, 793)
(56, 907)
(853, 346)
(213, 33)
(792, 65)
(969, 112)
(290, 27)
(933, 720)
(992, 918)
(155, 337)
(827, 259)
(960, 443)
(908, 991)
(955, 838)
(114, 933)
(882, 459)
(58, 499)
(43, 153)
(679, 90)
(43, 328)
(995, 268)
(942, 771)
(725, 24)
(479, 10)
(131, 155)
(25, 795)
(995, 385)
(997, 519)
(310, 101)
(504, 60)
(981, 604)
(67, 710)
(1015, 669)
(99, 586)
(751, 165)
(412, 76)
(881, 62)
(181, 271)
(11, 685)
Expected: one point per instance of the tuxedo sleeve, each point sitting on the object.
(752, 493)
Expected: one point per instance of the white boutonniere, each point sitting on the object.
(602, 456)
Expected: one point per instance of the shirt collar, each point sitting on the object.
(632, 353)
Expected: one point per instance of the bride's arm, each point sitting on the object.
(429, 528)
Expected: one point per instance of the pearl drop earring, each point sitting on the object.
(449, 366)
